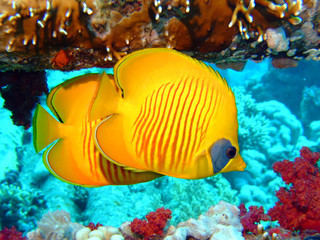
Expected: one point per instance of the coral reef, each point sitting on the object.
(310, 105)
(20, 207)
(286, 85)
(298, 205)
(253, 124)
(35, 32)
(268, 131)
(221, 221)
(183, 197)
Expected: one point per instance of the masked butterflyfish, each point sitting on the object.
(169, 114)
(71, 155)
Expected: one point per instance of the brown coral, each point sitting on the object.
(114, 28)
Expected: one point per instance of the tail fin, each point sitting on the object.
(45, 129)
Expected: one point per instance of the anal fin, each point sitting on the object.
(61, 162)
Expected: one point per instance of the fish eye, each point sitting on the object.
(231, 152)
(221, 153)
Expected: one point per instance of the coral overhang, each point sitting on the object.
(208, 29)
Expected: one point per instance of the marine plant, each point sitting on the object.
(298, 207)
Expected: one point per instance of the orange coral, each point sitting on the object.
(61, 59)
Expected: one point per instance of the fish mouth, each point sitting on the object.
(236, 164)
(242, 165)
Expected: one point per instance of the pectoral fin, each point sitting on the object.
(60, 161)
(110, 141)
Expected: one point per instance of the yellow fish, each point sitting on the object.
(74, 157)
(169, 114)
(162, 113)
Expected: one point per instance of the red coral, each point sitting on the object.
(11, 234)
(153, 226)
(283, 233)
(93, 226)
(249, 220)
(61, 59)
(298, 207)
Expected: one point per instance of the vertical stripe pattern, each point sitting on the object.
(172, 123)
(100, 168)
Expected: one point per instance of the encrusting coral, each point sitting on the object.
(114, 28)
(219, 222)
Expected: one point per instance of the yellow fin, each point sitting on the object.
(71, 100)
(60, 161)
(110, 141)
(45, 128)
(149, 68)
(106, 99)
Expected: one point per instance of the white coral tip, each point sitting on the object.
(83, 234)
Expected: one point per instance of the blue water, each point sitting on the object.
(278, 113)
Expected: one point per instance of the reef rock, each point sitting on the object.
(221, 221)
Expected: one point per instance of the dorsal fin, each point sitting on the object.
(105, 102)
(149, 68)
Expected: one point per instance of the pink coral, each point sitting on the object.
(153, 226)
(298, 207)
(249, 220)
(11, 234)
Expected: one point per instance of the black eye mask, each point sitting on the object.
(221, 152)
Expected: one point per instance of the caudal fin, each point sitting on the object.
(45, 129)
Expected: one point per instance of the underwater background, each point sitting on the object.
(278, 113)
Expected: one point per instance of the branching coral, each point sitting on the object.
(154, 225)
(250, 220)
(298, 207)
(184, 196)
(253, 125)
